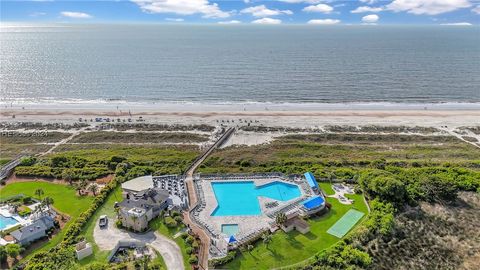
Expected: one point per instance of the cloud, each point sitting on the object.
(323, 8)
(230, 22)
(370, 2)
(324, 22)
(174, 19)
(75, 15)
(429, 7)
(302, 1)
(457, 24)
(372, 18)
(263, 11)
(182, 7)
(476, 9)
(364, 9)
(267, 21)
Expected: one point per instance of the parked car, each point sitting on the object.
(103, 221)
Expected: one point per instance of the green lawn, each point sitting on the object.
(158, 225)
(287, 249)
(64, 198)
(106, 209)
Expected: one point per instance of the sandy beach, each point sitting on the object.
(287, 115)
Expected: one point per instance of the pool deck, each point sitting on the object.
(247, 224)
(4, 212)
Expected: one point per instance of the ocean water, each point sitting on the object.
(221, 64)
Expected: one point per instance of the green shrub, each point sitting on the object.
(189, 240)
(193, 259)
(221, 261)
(170, 222)
(189, 250)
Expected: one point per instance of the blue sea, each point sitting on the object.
(242, 63)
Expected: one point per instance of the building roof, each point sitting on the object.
(138, 184)
(312, 182)
(313, 202)
(144, 199)
(40, 225)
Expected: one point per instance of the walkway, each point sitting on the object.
(107, 239)
(192, 198)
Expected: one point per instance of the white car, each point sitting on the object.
(103, 221)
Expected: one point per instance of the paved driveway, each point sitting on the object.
(107, 238)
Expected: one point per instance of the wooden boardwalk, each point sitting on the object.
(193, 200)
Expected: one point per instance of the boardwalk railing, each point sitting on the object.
(6, 170)
(207, 152)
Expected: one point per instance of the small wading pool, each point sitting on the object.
(230, 229)
(6, 222)
(241, 198)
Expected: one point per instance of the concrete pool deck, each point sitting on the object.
(246, 224)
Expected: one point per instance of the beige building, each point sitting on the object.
(138, 208)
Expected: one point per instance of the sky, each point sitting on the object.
(315, 12)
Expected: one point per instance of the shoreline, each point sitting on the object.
(181, 106)
(293, 115)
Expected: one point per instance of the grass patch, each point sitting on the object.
(158, 225)
(106, 209)
(293, 247)
(64, 198)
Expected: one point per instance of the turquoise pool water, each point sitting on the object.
(230, 229)
(6, 222)
(241, 198)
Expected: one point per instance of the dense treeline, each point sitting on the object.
(93, 164)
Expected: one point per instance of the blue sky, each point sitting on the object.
(319, 12)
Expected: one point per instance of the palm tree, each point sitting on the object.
(67, 176)
(15, 206)
(78, 188)
(280, 219)
(47, 201)
(39, 193)
(93, 188)
(267, 238)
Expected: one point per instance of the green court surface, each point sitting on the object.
(345, 223)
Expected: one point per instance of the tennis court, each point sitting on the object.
(345, 223)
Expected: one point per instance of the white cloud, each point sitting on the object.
(75, 15)
(372, 18)
(324, 21)
(182, 7)
(429, 7)
(364, 9)
(458, 24)
(370, 2)
(476, 9)
(302, 1)
(267, 21)
(263, 11)
(174, 19)
(230, 22)
(246, 1)
(323, 8)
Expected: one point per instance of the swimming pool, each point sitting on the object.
(6, 222)
(230, 229)
(241, 198)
